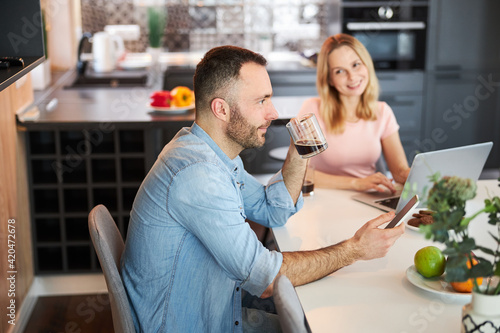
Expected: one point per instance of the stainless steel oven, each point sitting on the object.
(394, 32)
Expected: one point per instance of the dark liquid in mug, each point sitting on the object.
(306, 147)
(307, 187)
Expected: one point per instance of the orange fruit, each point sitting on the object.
(466, 286)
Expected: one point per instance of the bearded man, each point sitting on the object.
(189, 256)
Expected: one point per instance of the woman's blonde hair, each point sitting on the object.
(331, 109)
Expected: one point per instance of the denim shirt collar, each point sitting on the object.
(232, 164)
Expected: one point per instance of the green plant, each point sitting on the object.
(447, 199)
(156, 23)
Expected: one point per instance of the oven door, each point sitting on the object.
(394, 36)
(399, 45)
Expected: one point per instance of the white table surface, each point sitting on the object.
(375, 295)
(279, 153)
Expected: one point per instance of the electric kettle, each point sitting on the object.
(106, 50)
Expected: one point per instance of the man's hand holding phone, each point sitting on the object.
(403, 212)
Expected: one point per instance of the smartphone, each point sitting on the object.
(403, 212)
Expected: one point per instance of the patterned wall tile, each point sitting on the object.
(231, 39)
(230, 19)
(94, 17)
(203, 18)
(201, 3)
(259, 18)
(177, 42)
(309, 13)
(202, 41)
(178, 19)
(198, 25)
(120, 13)
(285, 17)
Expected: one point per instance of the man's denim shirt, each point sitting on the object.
(189, 250)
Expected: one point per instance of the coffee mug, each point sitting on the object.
(307, 135)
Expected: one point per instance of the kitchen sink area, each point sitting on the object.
(108, 82)
(119, 77)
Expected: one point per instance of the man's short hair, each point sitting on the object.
(218, 70)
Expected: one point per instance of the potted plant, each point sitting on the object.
(156, 25)
(467, 260)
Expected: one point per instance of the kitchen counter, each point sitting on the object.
(59, 106)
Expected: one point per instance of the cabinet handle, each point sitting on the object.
(448, 67)
(397, 100)
(386, 77)
(448, 76)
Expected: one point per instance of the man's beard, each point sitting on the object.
(242, 132)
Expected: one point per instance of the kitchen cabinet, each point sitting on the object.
(463, 35)
(462, 98)
(287, 79)
(22, 36)
(404, 92)
(70, 172)
(463, 109)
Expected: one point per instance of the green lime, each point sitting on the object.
(430, 261)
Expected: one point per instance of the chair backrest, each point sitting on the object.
(109, 247)
(290, 313)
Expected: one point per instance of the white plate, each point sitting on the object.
(410, 216)
(134, 64)
(412, 227)
(434, 285)
(172, 109)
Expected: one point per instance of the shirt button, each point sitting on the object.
(236, 323)
(237, 288)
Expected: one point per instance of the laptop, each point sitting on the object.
(465, 162)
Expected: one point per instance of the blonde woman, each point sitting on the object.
(357, 126)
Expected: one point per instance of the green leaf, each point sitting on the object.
(493, 219)
(456, 273)
(467, 245)
(455, 217)
(494, 237)
(497, 269)
(451, 251)
(486, 250)
(481, 269)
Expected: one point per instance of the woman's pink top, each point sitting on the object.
(354, 152)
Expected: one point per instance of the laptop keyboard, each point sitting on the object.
(390, 202)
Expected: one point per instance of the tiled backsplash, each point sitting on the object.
(196, 25)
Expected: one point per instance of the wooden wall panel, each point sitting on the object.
(8, 193)
(14, 202)
(23, 235)
(21, 93)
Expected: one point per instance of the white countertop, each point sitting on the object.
(375, 295)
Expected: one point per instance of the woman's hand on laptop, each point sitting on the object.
(378, 182)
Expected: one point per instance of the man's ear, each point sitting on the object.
(220, 109)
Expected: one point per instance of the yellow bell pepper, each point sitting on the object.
(182, 96)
